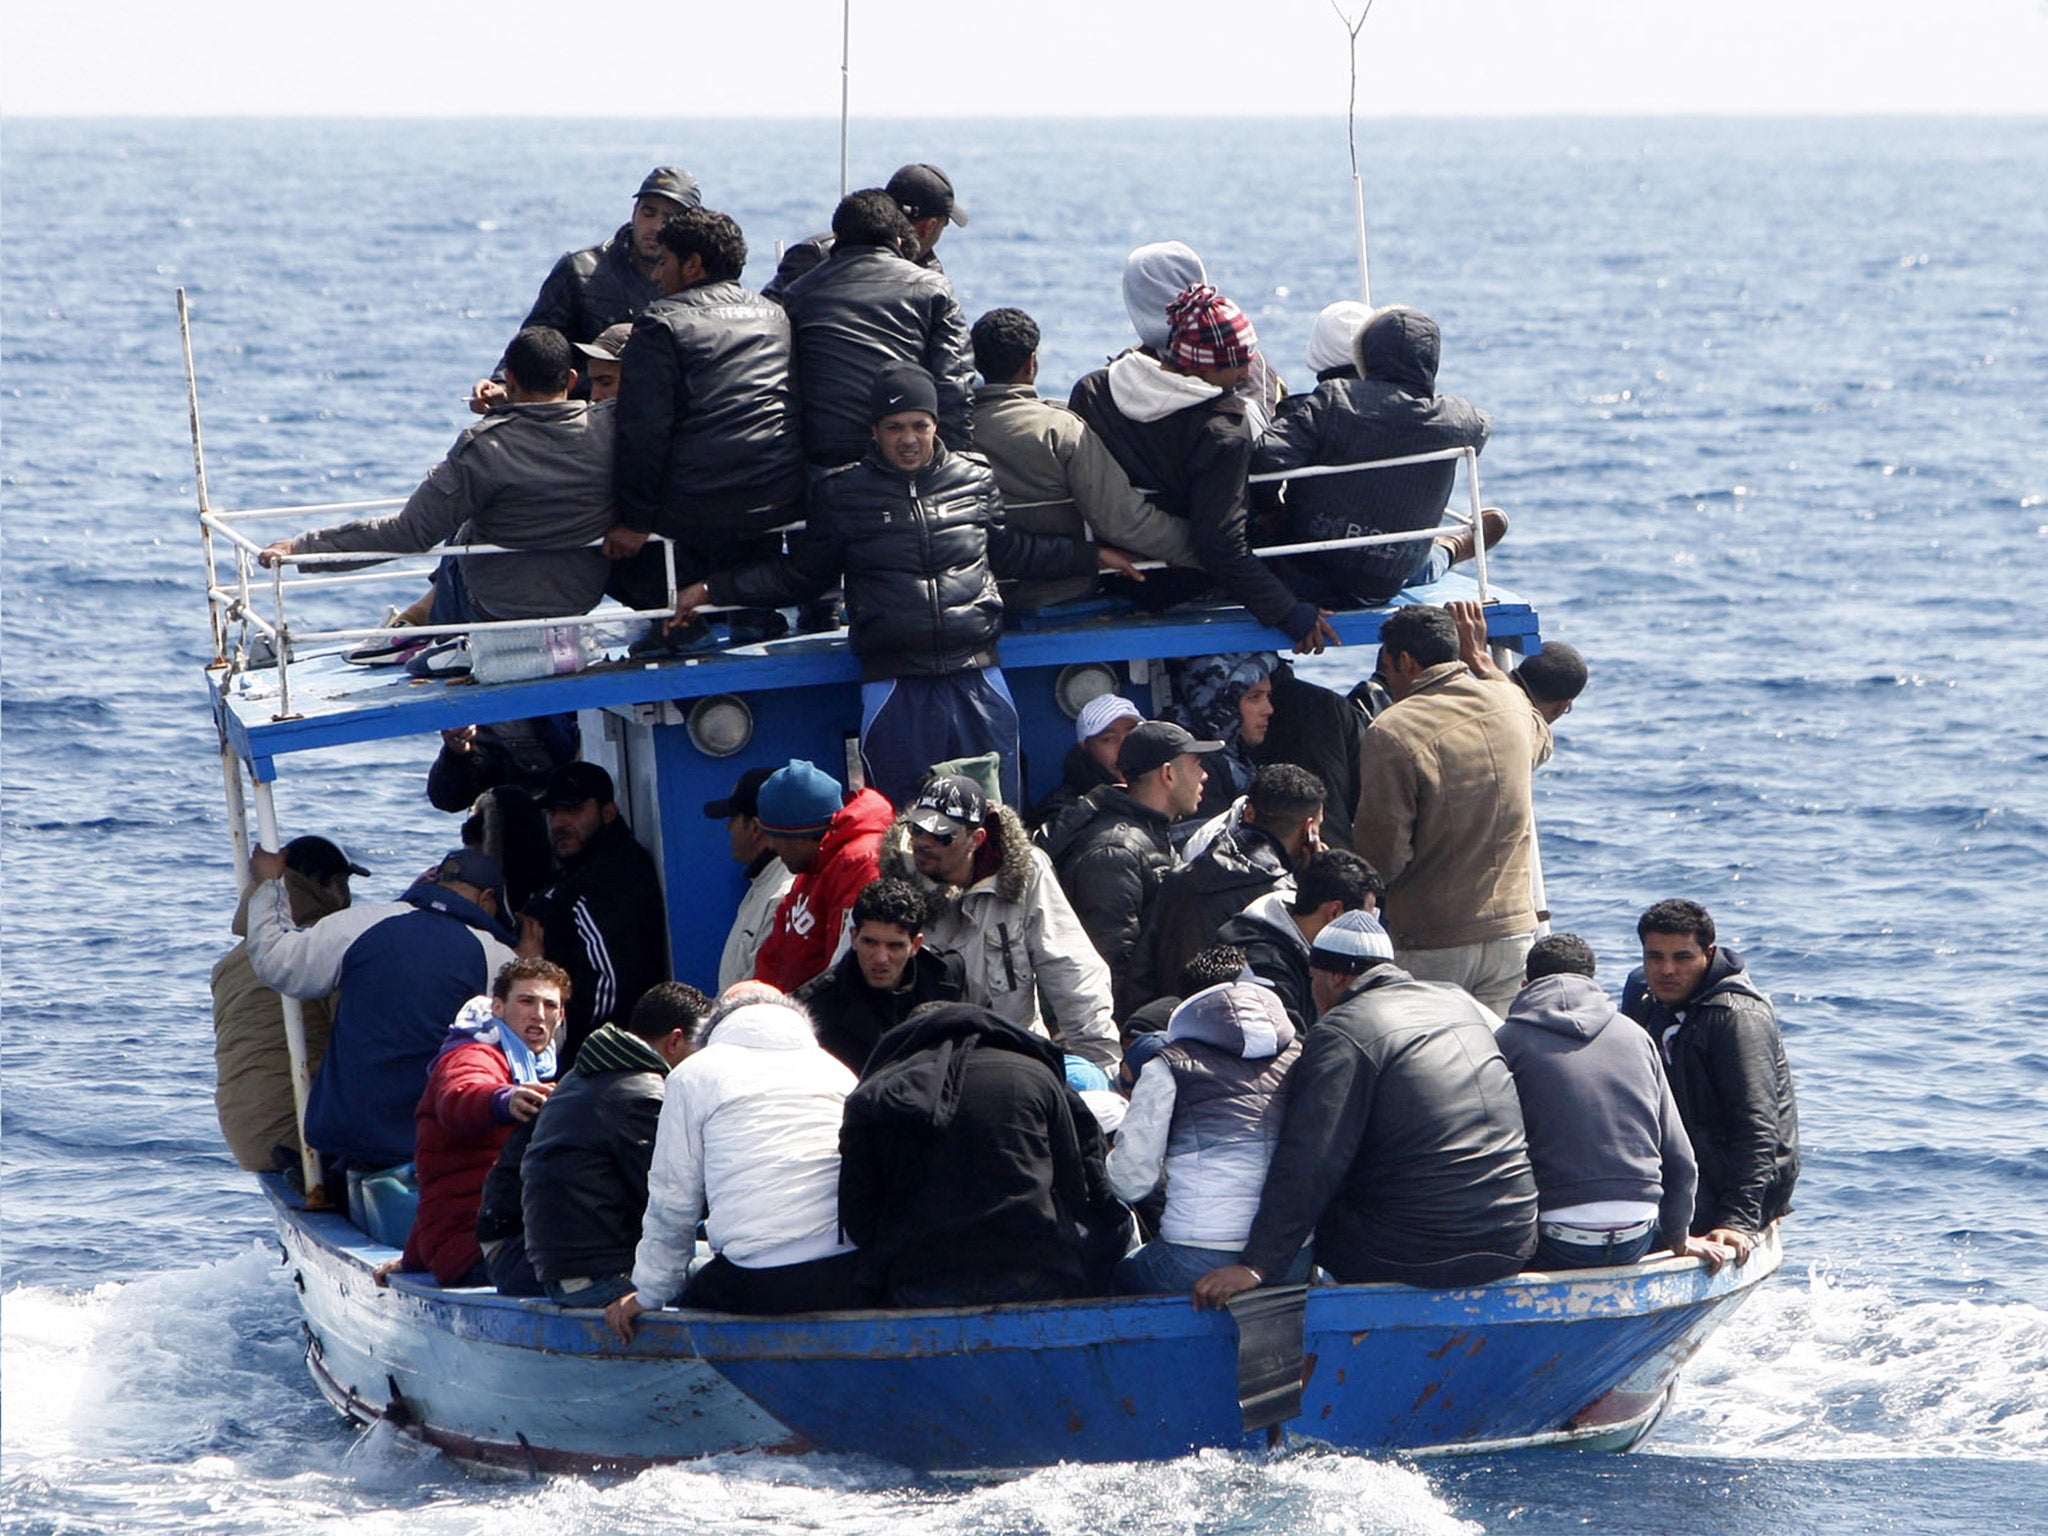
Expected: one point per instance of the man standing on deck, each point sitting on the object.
(1445, 810)
(404, 969)
(597, 287)
(603, 921)
(1402, 1151)
(1718, 1034)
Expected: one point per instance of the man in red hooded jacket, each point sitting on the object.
(831, 849)
(494, 1071)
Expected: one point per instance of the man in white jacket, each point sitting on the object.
(749, 1142)
(767, 876)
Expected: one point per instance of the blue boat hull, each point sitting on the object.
(1585, 1359)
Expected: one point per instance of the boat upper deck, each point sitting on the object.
(332, 703)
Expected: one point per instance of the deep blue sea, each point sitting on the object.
(1768, 414)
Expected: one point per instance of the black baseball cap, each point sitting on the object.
(925, 192)
(1154, 744)
(574, 783)
(673, 183)
(949, 802)
(320, 858)
(745, 799)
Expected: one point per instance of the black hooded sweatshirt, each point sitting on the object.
(1391, 411)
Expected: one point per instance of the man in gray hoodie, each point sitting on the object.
(1614, 1168)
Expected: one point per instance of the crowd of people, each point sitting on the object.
(1255, 994)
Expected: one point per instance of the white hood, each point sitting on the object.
(1144, 391)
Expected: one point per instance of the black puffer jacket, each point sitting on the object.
(1726, 1061)
(809, 254)
(850, 1016)
(1403, 1142)
(584, 1174)
(964, 1149)
(1241, 865)
(862, 309)
(595, 287)
(920, 556)
(707, 423)
(1110, 851)
(1079, 773)
(1393, 410)
(1192, 464)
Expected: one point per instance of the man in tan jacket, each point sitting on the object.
(1444, 810)
(1055, 474)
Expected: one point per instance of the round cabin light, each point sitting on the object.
(720, 725)
(1078, 685)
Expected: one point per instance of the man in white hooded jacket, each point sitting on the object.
(748, 1141)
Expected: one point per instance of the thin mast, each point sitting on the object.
(1351, 129)
(846, 90)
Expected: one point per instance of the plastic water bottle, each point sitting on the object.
(516, 655)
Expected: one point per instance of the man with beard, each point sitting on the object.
(603, 921)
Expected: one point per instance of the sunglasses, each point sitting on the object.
(943, 839)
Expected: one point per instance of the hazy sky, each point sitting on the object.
(953, 58)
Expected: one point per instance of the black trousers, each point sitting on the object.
(818, 1285)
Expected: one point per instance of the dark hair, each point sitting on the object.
(666, 1007)
(1562, 954)
(870, 217)
(1283, 796)
(1554, 675)
(1426, 633)
(1335, 874)
(713, 236)
(1004, 340)
(1211, 967)
(540, 359)
(528, 968)
(1677, 915)
(891, 901)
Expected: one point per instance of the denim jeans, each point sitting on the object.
(1161, 1268)
(1551, 1253)
(594, 1291)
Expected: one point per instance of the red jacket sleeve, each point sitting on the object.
(461, 1086)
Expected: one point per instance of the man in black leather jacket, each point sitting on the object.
(1115, 845)
(1403, 1149)
(708, 453)
(917, 533)
(602, 284)
(1719, 1038)
(865, 307)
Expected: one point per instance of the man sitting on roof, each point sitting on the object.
(533, 475)
(403, 969)
(1055, 475)
(916, 532)
(1389, 411)
(1177, 424)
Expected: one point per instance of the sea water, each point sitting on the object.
(1767, 414)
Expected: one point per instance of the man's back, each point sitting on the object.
(1445, 809)
(585, 1170)
(1403, 1146)
(863, 308)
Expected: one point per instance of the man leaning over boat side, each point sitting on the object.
(1614, 1169)
(865, 308)
(996, 903)
(1177, 424)
(709, 455)
(579, 1180)
(589, 291)
(970, 1173)
(603, 920)
(403, 970)
(915, 533)
(1718, 1035)
(1055, 474)
(1389, 410)
(253, 1096)
(534, 475)
(748, 1142)
(1402, 1151)
(1446, 811)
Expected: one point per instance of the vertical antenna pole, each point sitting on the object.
(213, 612)
(845, 92)
(1351, 129)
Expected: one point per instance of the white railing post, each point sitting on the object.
(213, 614)
(1478, 522)
(294, 1021)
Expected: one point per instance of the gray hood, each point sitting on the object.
(1401, 346)
(1564, 1005)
